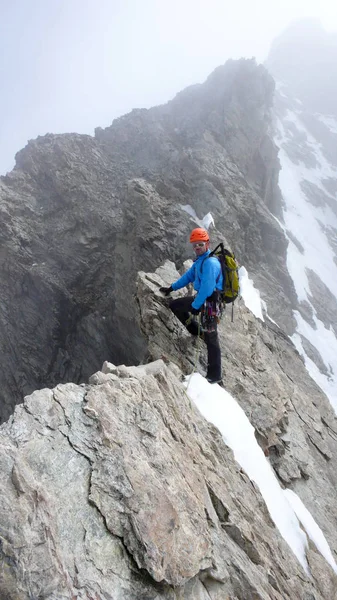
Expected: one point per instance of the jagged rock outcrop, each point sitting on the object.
(120, 489)
(211, 147)
(69, 259)
(81, 215)
(294, 422)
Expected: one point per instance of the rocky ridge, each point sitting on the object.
(82, 215)
(118, 488)
(130, 493)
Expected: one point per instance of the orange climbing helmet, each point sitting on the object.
(199, 235)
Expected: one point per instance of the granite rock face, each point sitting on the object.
(81, 215)
(119, 488)
(294, 422)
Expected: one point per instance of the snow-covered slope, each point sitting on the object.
(308, 182)
(285, 507)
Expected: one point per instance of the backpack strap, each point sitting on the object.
(215, 249)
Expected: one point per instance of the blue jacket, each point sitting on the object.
(205, 282)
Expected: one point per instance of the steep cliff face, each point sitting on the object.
(81, 215)
(132, 495)
(210, 147)
(231, 111)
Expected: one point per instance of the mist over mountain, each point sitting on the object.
(304, 57)
(303, 62)
(136, 486)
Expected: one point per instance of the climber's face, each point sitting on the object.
(200, 247)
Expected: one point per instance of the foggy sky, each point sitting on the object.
(73, 65)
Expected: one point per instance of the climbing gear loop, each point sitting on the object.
(212, 312)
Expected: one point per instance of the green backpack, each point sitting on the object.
(229, 267)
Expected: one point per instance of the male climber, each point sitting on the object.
(207, 279)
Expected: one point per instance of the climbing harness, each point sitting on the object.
(211, 313)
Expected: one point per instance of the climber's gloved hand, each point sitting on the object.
(166, 290)
(195, 311)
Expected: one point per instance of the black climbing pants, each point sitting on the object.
(181, 308)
